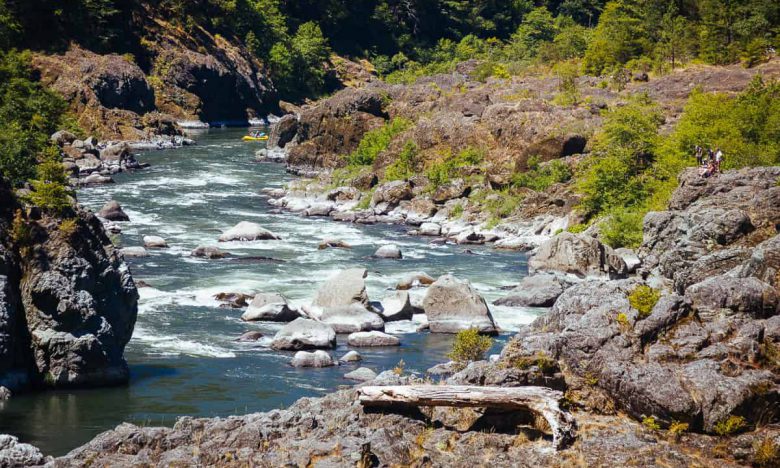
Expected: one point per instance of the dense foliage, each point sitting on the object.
(632, 170)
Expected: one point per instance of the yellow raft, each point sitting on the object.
(257, 138)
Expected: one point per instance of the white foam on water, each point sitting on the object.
(512, 319)
(167, 345)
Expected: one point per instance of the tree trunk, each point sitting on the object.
(541, 400)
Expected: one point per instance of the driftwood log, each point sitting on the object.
(540, 400)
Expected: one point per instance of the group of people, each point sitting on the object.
(709, 161)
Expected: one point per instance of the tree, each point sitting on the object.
(619, 36)
(537, 27)
(674, 39)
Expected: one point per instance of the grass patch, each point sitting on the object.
(650, 423)
(542, 177)
(540, 359)
(377, 140)
(730, 425)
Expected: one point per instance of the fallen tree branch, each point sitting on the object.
(541, 400)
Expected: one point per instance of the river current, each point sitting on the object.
(183, 358)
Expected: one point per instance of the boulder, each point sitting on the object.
(579, 255)
(392, 193)
(390, 251)
(372, 338)
(247, 231)
(95, 179)
(233, 300)
(397, 307)
(415, 279)
(450, 191)
(88, 163)
(534, 291)
(747, 295)
(15, 454)
(205, 251)
(342, 289)
(115, 154)
(62, 138)
(303, 333)
(430, 229)
(630, 257)
(452, 305)
(352, 318)
(155, 242)
(333, 243)
(361, 374)
(283, 131)
(134, 252)
(317, 358)
(342, 194)
(351, 356)
(271, 307)
(250, 336)
(112, 211)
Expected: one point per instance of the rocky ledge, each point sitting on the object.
(68, 304)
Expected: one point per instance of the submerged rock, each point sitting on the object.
(453, 305)
(342, 289)
(233, 300)
(334, 243)
(250, 336)
(372, 338)
(134, 252)
(303, 333)
(317, 358)
(351, 356)
(247, 231)
(113, 211)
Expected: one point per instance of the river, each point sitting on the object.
(183, 357)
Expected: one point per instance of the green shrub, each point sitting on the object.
(469, 346)
(650, 423)
(457, 211)
(377, 140)
(21, 232)
(442, 171)
(730, 425)
(404, 165)
(622, 228)
(676, 428)
(69, 226)
(539, 359)
(622, 320)
(577, 228)
(540, 178)
(643, 298)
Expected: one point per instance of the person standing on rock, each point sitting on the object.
(699, 151)
(718, 159)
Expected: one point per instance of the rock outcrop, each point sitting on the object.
(453, 305)
(578, 254)
(68, 304)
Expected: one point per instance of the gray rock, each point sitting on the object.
(430, 229)
(250, 336)
(397, 307)
(210, 252)
(304, 333)
(361, 374)
(453, 305)
(247, 231)
(392, 193)
(62, 138)
(351, 356)
(155, 242)
(14, 454)
(388, 251)
(344, 288)
(630, 258)
(283, 131)
(352, 318)
(317, 358)
(271, 307)
(415, 279)
(748, 295)
(115, 154)
(96, 179)
(534, 291)
(334, 243)
(134, 252)
(372, 338)
(579, 255)
(112, 211)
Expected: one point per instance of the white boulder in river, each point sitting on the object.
(270, 307)
(372, 338)
(453, 305)
(317, 358)
(397, 307)
(344, 288)
(247, 231)
(388, 251)
(352, 318)
(304, 333)
(362, 374)
(155, 242)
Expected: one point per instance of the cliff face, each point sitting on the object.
(67, 303)
(192, 75)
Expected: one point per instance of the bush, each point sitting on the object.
(540, 178)
(377, 140)
(730, 425)
(650, 423)
(643, 298)
(442, 171)
(470, 346)
(68, 227)
(404, 165)
(622, 228)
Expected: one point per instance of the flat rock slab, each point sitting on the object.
(372, 338)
